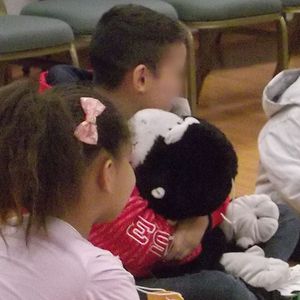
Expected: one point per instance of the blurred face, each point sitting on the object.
(167, 82)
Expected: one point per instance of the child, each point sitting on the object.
(138, 57)
(64, 159)
(279, 149)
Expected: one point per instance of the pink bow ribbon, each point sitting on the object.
(87, 131)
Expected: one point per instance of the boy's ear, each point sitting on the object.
(140, 77)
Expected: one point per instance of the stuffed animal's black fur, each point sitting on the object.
(195, 172)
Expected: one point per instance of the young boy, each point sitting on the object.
(138, 58)
(279, 148)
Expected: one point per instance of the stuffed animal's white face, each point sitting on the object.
(146, 125)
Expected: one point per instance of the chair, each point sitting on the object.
(83, 17)
(23, 37)
(202, 15)
(291, 6)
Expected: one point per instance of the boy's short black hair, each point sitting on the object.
(129, 35)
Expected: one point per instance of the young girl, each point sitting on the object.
(63, 161)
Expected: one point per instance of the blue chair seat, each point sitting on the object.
(290, 3)
(22, 33)
(83, 16)
(220, 10)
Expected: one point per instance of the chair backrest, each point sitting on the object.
(3, 10)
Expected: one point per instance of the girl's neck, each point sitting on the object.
(79, 220)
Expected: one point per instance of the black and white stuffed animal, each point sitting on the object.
(185, 168)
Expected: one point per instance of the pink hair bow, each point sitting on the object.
(87, 131)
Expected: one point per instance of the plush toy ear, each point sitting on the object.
(146, 126)
(177, 132)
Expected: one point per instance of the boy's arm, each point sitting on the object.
(189, 233)
(187, 237)
(280, 157)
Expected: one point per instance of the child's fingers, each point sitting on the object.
(177, 250)
(173, 251)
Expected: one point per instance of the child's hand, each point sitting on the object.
(187, 237)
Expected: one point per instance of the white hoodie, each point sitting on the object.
(279, 140)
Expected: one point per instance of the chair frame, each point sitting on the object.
(5, 58)
(291, 10)
(282, 42)
(191, 85)
(83, 41)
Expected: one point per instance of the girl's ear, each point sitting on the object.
(107, 176)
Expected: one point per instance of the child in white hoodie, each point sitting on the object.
(279, 148)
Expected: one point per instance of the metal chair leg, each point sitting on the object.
(74, 56)
(207, 53)
(282, 46)
(191, 71)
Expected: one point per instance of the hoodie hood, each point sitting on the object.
(282, 91)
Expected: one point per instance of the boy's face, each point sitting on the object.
(166, 84)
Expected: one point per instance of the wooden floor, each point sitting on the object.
(231, 98)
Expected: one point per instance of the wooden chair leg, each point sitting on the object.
(293, 32)
(207, 55)
(219, 52)
(282, 46)
(4, 74)
(26, 69)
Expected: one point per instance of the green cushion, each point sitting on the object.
(289, 3)
(217, 10)
(21, 33)
(83, 16)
